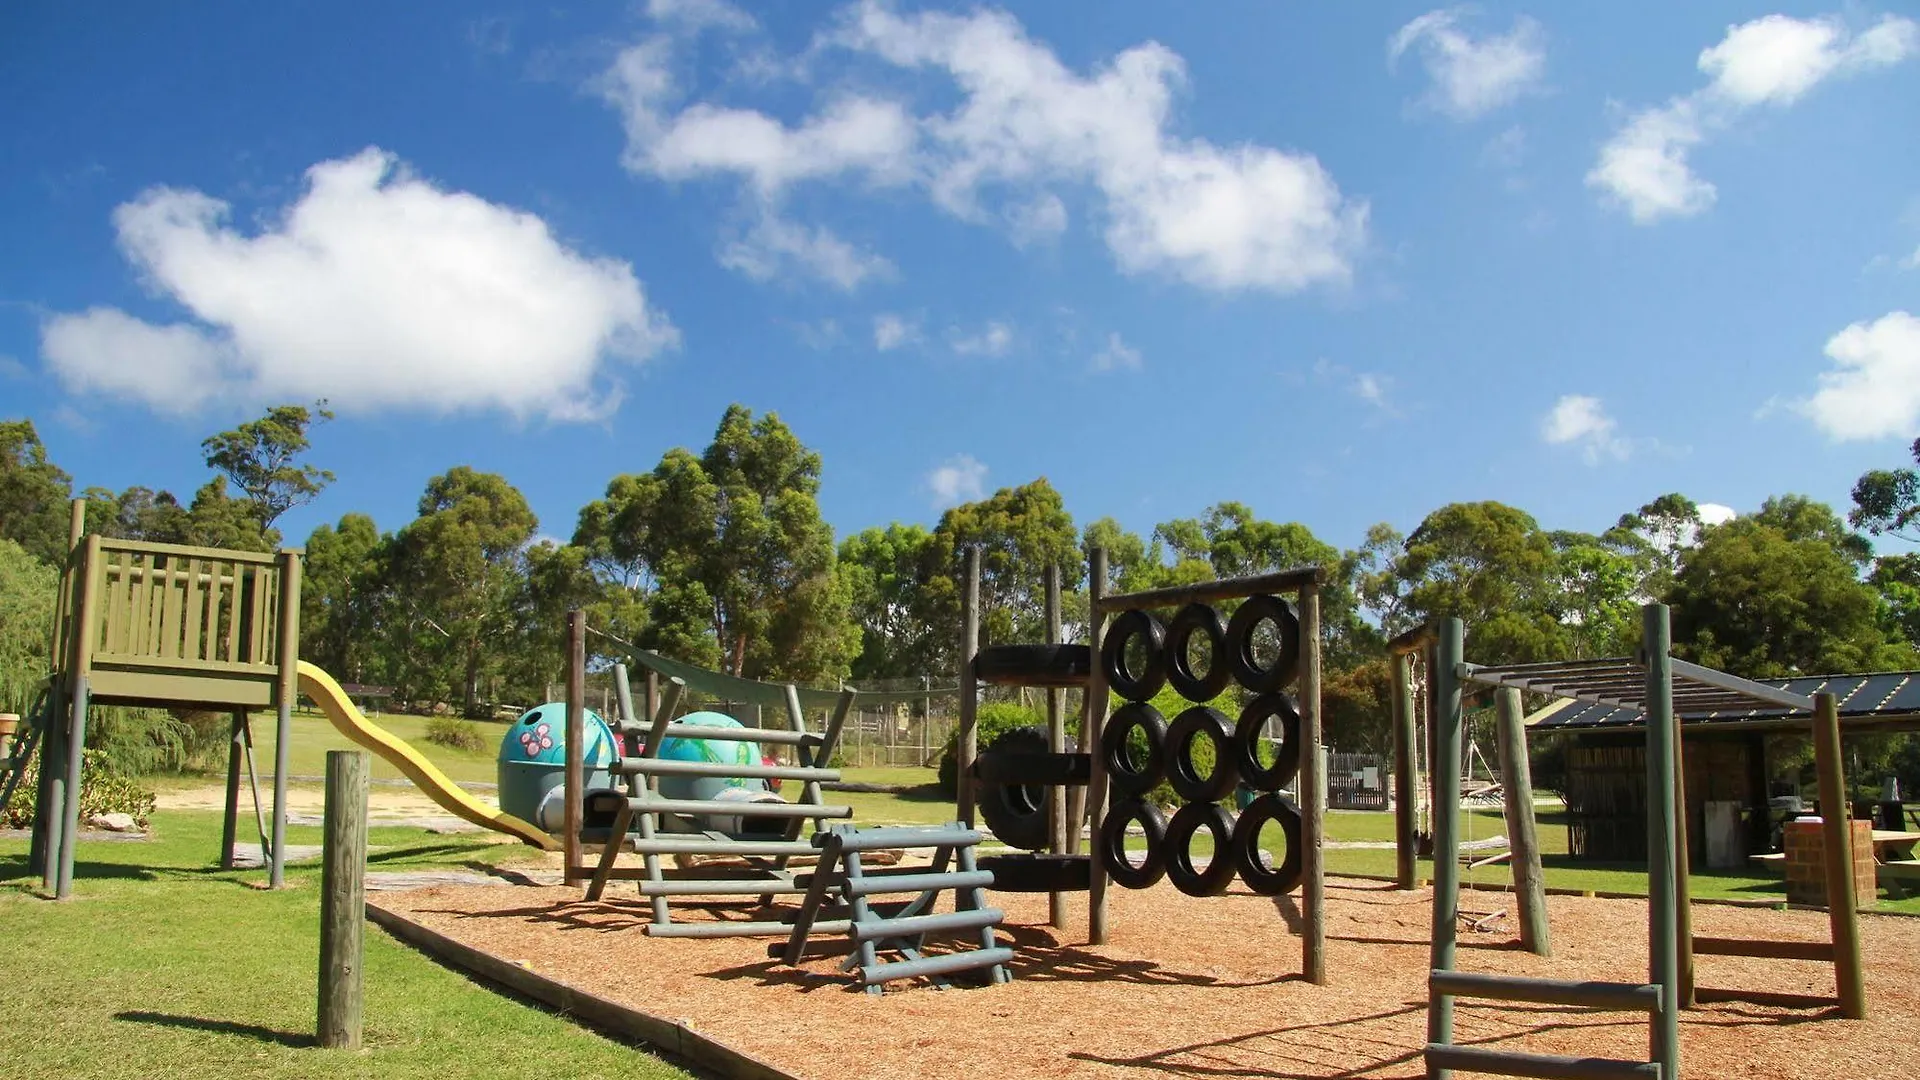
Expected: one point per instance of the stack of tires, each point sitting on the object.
(1139, 748)
(1014, 777)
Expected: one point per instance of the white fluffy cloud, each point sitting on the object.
(1472, 76)
(375, 289)
(1580, 420)
(693, 15)
(960, 479)
(1117, 355)
(1772, 60)
(1219, 217)
(1716, 514)
(993, 339)
(893, 331)
(774, 247)
(1873, 390)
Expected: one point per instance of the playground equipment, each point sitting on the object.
(1661, 687)
(708, 807)
(173, 626)
(900, 927)
(1298, 627)
(532, 763)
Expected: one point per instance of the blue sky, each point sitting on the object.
(1344, 263)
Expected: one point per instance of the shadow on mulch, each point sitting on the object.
(1159, 1059)
(293, 1039)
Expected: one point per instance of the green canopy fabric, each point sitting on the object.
(752, 692)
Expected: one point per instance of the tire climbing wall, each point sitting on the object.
(1259, 649)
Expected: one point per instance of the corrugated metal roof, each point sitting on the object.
(1881, 695)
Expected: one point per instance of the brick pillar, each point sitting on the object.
(1806, 868)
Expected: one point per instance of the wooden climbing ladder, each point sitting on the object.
(896, 927)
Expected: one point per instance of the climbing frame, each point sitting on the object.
(899, 928)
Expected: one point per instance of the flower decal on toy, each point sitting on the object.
(537, 740)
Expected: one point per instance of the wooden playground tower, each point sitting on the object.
(164, 626)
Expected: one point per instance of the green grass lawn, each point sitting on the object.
(164, 966)
(314, 735)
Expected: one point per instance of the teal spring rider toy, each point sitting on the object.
(533, 763)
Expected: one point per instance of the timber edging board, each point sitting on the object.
(666, 1036)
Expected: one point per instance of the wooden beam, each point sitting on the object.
(343, 899)
(1516, 782)
(1206, 592)
(1843, 914)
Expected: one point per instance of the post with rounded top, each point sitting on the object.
(1093, 719)
(286, 691)
(1843, 904)
(49, 803)
(967, 744)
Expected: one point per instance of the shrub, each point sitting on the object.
(993, 720)
(103, 790)
(456, 734)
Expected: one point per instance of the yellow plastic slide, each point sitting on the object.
(347, 717)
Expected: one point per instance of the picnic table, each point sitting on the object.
(1897, 867)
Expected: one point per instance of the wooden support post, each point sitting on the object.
(968, 743)
(1516, 781)
(1057, 822)
(1682, 872)
(1843, 905)
(575, 780)
(1093, 717)
(230, 823)
(75, 744)
(1313, 794)
(91, 574)
(1663, 945)
(343, 902)
(286, 691)
(1406, 783)
(1443, 771)
(49, 805)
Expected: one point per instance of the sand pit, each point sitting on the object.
(1204, 988)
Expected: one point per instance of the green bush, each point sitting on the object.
(456, 734)
(103, 790)
(993, 720)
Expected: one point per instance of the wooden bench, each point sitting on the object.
(1896, 875)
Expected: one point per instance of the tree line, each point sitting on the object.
(722, 559)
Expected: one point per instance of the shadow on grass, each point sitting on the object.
(922, 793)
(256, 1032)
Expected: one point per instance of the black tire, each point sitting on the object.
(1246, 666)
(1034, 665)
(1112, 844)
(1038, 873)
(1198, 618)
(1197, 722)
(1016, 813)
(1254, 871)
(1247, 739)
(1127, 776)
(1190, 819)
(1010, 767)
(1135, 685)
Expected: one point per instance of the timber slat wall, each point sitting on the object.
(171, 608)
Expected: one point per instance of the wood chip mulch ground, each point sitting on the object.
(1206, 988)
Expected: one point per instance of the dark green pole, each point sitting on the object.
(1406, 792)
(76, 744)
(1663, 961)
(286, 689)
(343, 902)
(1444, 771)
